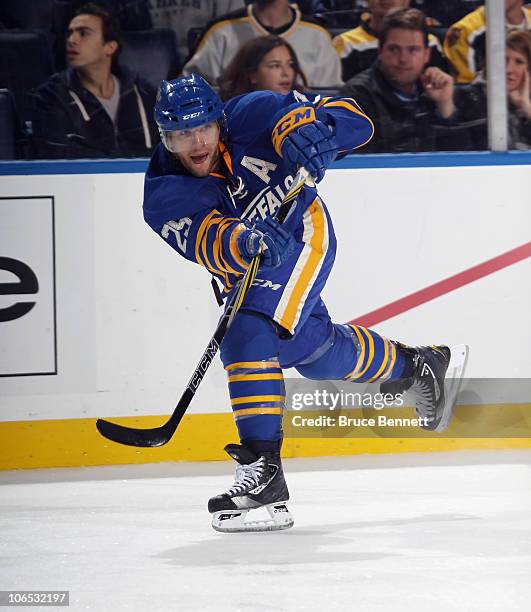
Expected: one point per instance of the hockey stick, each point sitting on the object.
(158, 436)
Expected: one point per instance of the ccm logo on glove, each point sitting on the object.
(294, 119)
(305, 138)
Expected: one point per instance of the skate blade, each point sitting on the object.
(452, 383)
(233, 521)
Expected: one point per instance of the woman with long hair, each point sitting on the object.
(265, 62)
(518, 70)
(472, 99)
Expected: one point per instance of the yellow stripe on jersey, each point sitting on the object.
(250, 411)
(218, 250)
(199, 238)
(204, 245)
(200, 233)
(250, 377)
(361, 356)
(357, 39)
(354, 107)
(459, 41)
(308, 264)
(234, 248)
(346, 104)
(392, 362)
(203, 252)
(323, 101)
(371, 353)
(255, 399)
(252, 365)
(228, 287)
(384, 361)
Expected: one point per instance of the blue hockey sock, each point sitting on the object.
(377, 359)
(357, 354)
(256, 384)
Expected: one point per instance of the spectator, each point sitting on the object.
(472, 99)
(185, 16)
(411, 106)
(94, 108)
(446, 12)
(266, 62)
(312, 43)
(358, 48)
(130, 14)
(464, 44)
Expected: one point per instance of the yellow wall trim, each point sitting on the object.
(201, 437)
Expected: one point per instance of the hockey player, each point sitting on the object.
(211, 191)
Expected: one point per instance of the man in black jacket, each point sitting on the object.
(358, 47)
(412, 106)
(94, 108)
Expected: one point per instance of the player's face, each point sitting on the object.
(382, 7)
(276, 71)
(516, 68)
(403, 56)
(196, 149)
(84, 43)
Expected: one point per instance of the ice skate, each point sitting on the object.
(259, 483)
(434, 384)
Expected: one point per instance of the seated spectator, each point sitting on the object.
(94, 109)
(312, 43)
(464, 44)
(181, 17)
(266, 62)
(446, 12)
(472, 99)
(358, 48)
(130, 14)
(411, 106)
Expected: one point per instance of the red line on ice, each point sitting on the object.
(445, 286)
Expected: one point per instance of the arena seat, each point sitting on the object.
(193, 37)
(8, 122)
(27, 14)
(25, 63)
(152, 54)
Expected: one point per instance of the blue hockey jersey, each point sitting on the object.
(201, 217)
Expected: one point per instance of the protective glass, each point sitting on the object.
(185, 141)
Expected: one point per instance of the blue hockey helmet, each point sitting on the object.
(187, 103)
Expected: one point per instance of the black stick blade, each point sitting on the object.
(156, 436)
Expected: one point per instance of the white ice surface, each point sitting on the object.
(439, 532)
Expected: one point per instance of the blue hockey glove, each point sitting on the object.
(302, 136)
(313, 146)
(269, 238)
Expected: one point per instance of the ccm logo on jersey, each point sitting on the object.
(291, 121)
(266, 284)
